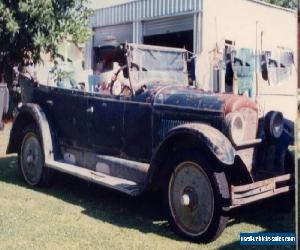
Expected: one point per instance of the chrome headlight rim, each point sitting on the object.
(235, 127)
(274, 124)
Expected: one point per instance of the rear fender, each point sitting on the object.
(31, 114)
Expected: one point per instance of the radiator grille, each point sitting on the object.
(167, 125)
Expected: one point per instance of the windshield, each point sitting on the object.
(149, 64)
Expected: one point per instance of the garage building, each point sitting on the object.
(158, 22)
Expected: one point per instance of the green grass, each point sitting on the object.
(74, 214)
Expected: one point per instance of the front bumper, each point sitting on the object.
(241, 195)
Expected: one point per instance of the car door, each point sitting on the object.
(67, 109)
(138, 131)
(105, 124)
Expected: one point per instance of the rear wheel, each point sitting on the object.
(31, 160)
(196, 198)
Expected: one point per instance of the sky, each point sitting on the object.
(96, 4)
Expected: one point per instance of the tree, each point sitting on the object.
(31, 27)
(292, 4)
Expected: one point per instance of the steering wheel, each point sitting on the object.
(118, 88)
(134, 65)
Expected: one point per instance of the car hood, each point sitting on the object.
(191, 98)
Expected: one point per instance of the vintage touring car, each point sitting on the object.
(149, 129)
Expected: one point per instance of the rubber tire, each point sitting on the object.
(221, 196)
(285, 203)
(46, 178)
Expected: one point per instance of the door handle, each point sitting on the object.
(50, 102)
(90, 110)
(104, 105)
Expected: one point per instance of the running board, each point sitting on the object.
(122, 168)
(125, 186)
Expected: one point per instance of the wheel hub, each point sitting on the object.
(30, 159)
(189, 198)
(185, 200)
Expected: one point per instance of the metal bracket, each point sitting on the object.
(241, 195)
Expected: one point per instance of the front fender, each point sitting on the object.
(199, 135)
(213, 139)
(31, 114)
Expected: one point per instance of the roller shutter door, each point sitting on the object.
(123, 33)
(168, 25)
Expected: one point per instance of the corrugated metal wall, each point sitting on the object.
(123, 13)
(143, 10)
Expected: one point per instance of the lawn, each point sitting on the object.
(74, 214)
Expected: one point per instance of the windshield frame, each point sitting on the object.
(130, 46)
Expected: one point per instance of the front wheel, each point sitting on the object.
(31, 161)
(196, 198)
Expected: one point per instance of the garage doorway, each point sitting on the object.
(182, 39)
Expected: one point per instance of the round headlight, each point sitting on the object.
(236, 127)
(274, 124)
